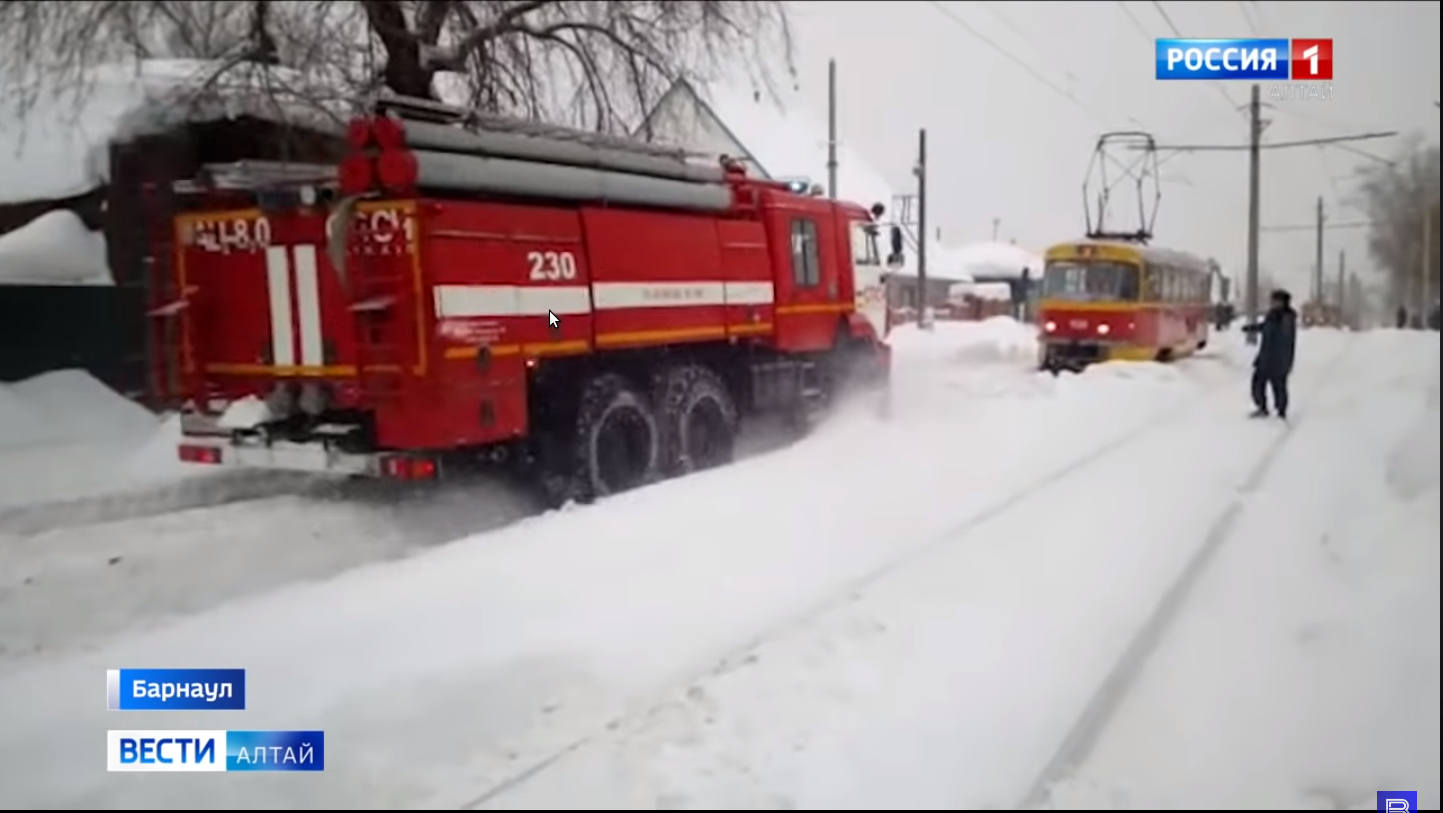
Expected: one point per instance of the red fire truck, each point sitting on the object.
(602, 311)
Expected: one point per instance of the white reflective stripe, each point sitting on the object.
(510, 300)
(308, 300)
(749, 293)
(278, 283)
(536, 300)
(609, 295)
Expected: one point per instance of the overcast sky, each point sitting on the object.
(1002, 144)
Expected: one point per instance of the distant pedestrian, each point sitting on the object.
(1402, 317)
(1278, 332)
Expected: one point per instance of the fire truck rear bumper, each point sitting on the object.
(317, 458)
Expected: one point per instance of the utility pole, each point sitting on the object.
(922, 320)
(832, 129)
(1254, 146)
(1340, 283)
(1256, 134)
(1422, 310)
(1318, 260)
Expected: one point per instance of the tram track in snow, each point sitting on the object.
(1093, 720)
(738, 656)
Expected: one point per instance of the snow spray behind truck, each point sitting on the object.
(602, 311)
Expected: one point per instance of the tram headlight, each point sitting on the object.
(1103, 330)
(1050, 326)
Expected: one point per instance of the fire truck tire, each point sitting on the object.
(616, 444)
(696, 419)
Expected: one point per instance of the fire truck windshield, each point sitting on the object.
(1090, 282)
(864, 244)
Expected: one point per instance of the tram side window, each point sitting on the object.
(1127, 282)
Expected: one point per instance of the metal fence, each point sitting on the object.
(100, 329)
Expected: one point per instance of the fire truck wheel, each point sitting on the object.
(616, 438)
(696, 419)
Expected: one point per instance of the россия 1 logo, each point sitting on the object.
(1244, 58)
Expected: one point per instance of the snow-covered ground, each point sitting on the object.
(924, 608)
(65, 435)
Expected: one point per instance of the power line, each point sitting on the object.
(1016, 60)
(1135, 22)
(1150, 39)
(1232, 105)
(1346, 148)
(992, 8)
(1276, 144)
(1361, 224)
(1252, 26)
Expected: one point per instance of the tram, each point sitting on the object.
(1105, 300)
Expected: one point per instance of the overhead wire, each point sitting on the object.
(1232, 105)
(1252, 26)
(1021, 63)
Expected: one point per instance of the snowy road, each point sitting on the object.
(909, 612)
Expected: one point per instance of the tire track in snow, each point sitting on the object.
(200, 492)
(735, 657)
(1085, 732)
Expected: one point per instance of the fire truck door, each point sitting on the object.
(808, 285)
(261, 280)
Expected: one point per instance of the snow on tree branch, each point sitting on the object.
(600, 63)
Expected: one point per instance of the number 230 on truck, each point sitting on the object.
(602, 311)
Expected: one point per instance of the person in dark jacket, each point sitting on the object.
(1278, 332)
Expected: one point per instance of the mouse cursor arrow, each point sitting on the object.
(552, 320)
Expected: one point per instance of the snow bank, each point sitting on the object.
(64, 434)
(19, 422)
(997, 339)
(60, 147)
(54, 249)
(78, 406)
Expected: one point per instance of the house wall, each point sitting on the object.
(902, 291)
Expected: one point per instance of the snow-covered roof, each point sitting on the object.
(995, 261)
(60, 147)
(54, 249)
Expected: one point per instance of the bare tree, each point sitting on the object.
(1397, 198)
(602, 62)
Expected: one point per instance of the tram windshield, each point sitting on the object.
(1090, 281)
